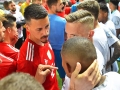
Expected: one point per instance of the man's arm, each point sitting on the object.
(87, 80)
(116, 53)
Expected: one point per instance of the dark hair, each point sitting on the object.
(5, 4)
(20, 81)
(51, 2)
(103, 7)
(35, 11)
(115, 2)
(101, 1)
(81, 49)
(10, 19)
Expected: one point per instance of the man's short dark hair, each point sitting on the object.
(20, 81)
(9, 22)
(103, 7)
(35, 11)
(81, 49)
(51, 2)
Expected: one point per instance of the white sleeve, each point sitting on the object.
(66, 83)
(116, 21)
(110, 36)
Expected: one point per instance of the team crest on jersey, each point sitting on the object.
(108, 35)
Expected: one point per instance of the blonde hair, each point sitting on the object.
(90, 5)
(81, 16)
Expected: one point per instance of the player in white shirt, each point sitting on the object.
(115, 16)
(70, 56)
(83, 28)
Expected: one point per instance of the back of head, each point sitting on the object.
(80, 50)
(103, 7)
(35, 11)
(51, 2)
(19, 81)
(81, 16)
(90, 5)
(5, 4)
(115, 2)
(9, 22)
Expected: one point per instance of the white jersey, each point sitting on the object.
(111, 40)
(112, 82)
(115, 18)
(100, 41)
(101, 67)
(110, 25)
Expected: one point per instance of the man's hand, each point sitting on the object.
(42, 72)
(87, 80)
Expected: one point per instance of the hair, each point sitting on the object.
(51, 2)
(103, 7)
(81, 16)
(90, 5)
(20, 81)
(9, 22)
(5, 4)
(35, 11)
(115, 3)
(82, 49)
(101, 1)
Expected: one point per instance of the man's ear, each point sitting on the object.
(27, 27)
(91, 33)
(8, 30)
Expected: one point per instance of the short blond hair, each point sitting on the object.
(81, 16)
(90, 5)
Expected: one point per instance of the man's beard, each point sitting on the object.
(45, 40)
(13, 10)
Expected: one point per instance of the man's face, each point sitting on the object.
(59, 6)
(39, 29)
(102, 16)
(14, 33)
(2, 31)
(13, 7)
(76, 29)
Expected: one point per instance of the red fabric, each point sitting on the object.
(31, 55)
(62, 14)
(73, 1)
(7, 66)
(9, 51)
(67, 10)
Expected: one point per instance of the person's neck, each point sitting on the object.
(101, 80)
(105, 20)
(7, 40)
(51, 11)
(96, 24)
(12, 12)
(36, 41)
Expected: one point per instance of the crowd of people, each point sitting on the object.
(78, 39)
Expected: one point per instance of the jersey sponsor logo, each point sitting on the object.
(30, 52)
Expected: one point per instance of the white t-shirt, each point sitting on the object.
(112, 82)
(115, 18)
(101, 67)
(100, 41)
(111, 40)
(110, 25)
